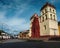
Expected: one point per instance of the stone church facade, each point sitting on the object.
(45, 25)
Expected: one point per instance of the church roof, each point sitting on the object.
(47, 4)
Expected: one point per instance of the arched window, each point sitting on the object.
(54, 17)
(45, 10)
(46, 17)
(51, 16)
(42, 13)
(53, 11)
(45, 27)
(42, 18)
(50, 9)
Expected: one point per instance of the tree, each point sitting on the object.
(1, 31)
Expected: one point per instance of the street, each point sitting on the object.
(13, 40)
(15, 43)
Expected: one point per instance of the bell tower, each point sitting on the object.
(48, 21)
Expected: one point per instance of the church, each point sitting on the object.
(45, 25)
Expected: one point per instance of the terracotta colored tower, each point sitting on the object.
(35, 29)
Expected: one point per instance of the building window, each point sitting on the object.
(45, 10)
(54, 32)
(51, 16)
(43, 19)
(53, 11)
(46, 17)
(45, 27)
(54, 17)
(42, 13)
(50, 9)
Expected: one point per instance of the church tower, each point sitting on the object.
(34, 27)
(48, 21)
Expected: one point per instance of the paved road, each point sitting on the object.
(13, 40)
(19, 44)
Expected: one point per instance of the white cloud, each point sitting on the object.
(18, 24)
(15, 23)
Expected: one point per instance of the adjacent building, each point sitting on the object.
(59, 27)
(23, 34)
(4, 35)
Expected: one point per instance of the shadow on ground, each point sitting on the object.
(30, 45)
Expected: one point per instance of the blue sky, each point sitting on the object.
(15, 14)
